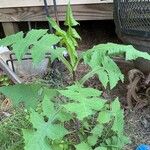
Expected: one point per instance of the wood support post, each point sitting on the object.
(10, 28)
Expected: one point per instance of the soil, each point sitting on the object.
(96, 32)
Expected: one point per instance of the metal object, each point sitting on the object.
(48, 15)
(132, 17)
(9, 72)
(132, 20)
(57, 19)
(13, 59)
(56, 12)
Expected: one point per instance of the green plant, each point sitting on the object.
(68, 40)
(38, 42)
(99, 58)
(98, 123)
(4, 80)
(11, 130)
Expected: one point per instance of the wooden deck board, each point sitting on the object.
(30, 3)
(81, 12)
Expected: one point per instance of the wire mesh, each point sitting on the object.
(133, 17)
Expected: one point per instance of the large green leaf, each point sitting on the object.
(44, 45)
(12, 39)
(36, 139)
(38, 42)
(30, 94)
(85, 101)
(33, 141)
(100, 56)
(70, 21)
(115, 117)
(118, 113)
(20, 44)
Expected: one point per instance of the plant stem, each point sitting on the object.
(89, 75)
(74, 76)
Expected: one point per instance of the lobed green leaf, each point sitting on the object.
(108, 72)
(85, 101)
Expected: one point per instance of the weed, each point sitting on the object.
(11, 130)
(4, 80)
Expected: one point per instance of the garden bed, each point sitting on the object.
(137, 122)
(137, 125)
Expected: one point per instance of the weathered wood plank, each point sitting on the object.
(81, 12)
(29, 3)
(10, 28)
